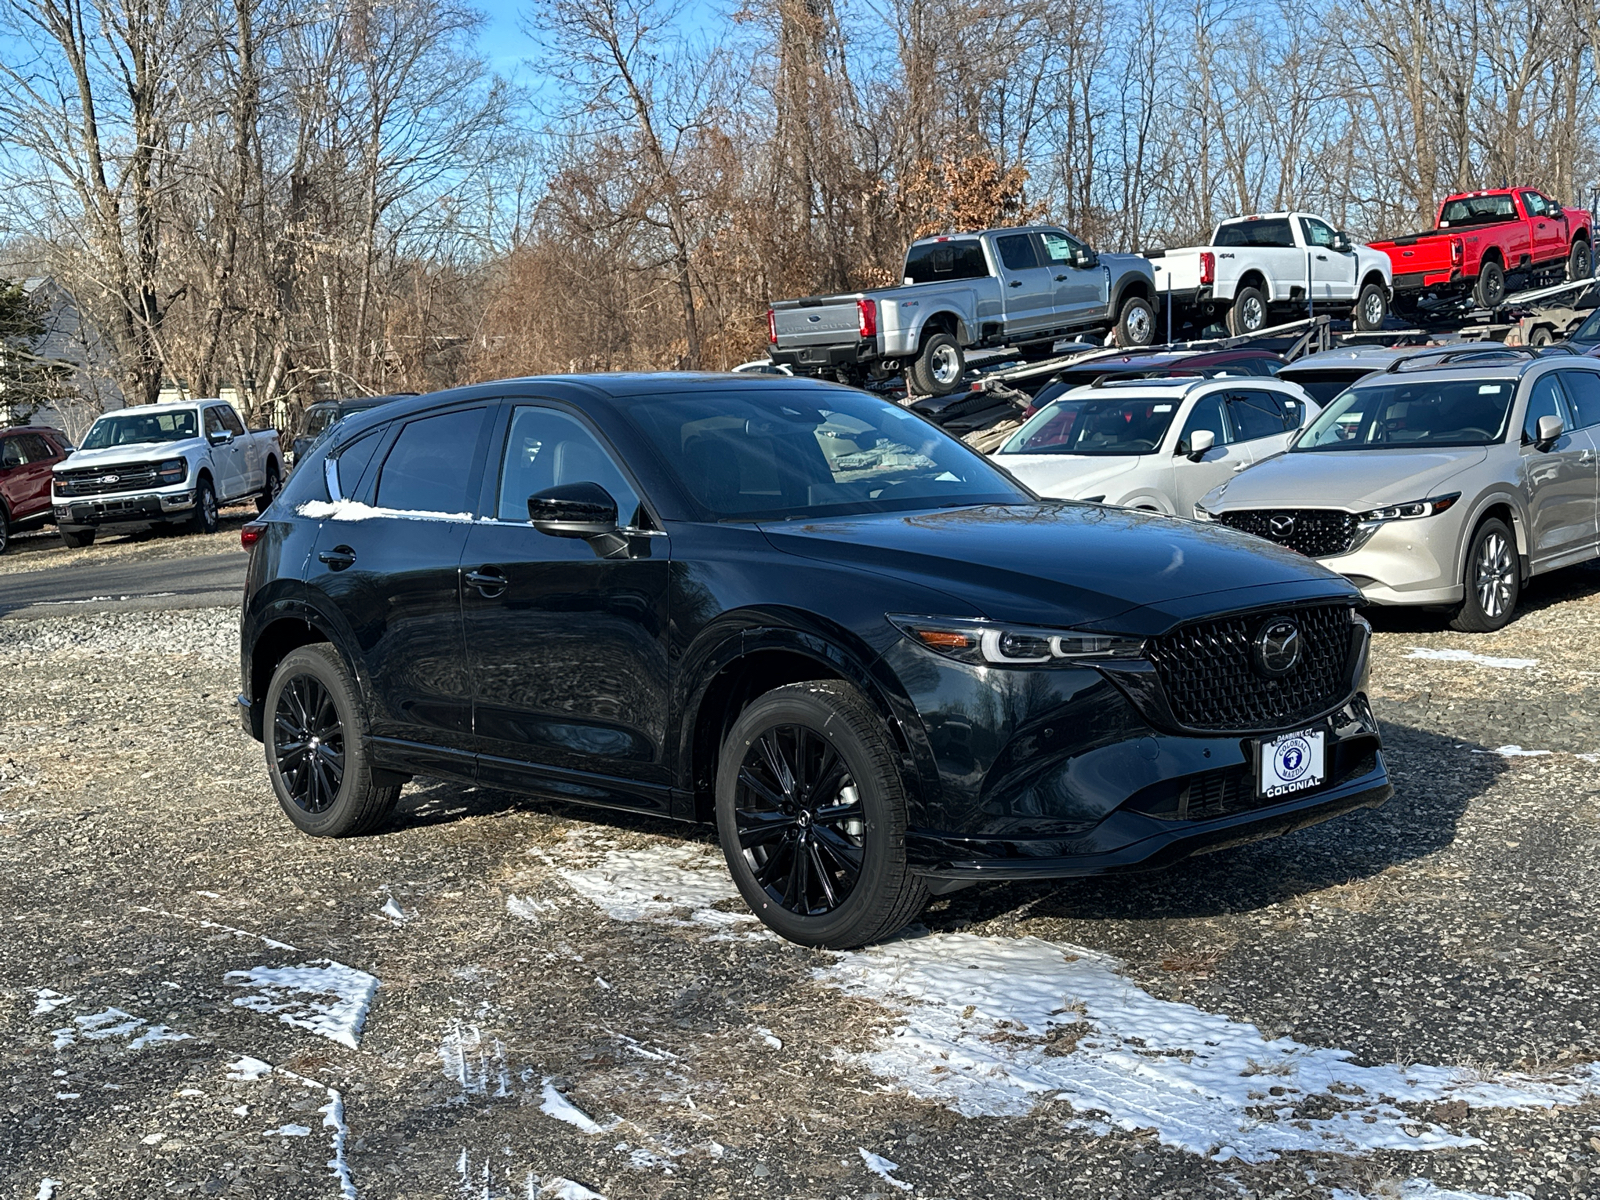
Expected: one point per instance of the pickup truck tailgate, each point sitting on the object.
(816, 324)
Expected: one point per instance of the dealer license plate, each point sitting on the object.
(1293, 763)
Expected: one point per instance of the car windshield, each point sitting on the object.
(136, 428)
(1415, 414)
(777, 453)
(1323, 386)
(1109, 425)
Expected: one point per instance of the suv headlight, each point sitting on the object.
(1411, 510)
(174, 470)
(985, 643)
(1200, 513)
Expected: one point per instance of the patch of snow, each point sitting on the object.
(113, 1022)
(881, 1167)
(558, 1188)
(554, 1104)
(641, 1159)
(204, 923)
(242, 1111)
(62, 1038)
(472, 1064)
(1424, 1189)
(526, 908)
(328, 998)
(352, 510)
(288, 1131)
(639, 885)
(333, 1118)
(1514, 752)
(68, 1095)
(769, 1037)
(245, 1069)
(158, 1033)
(151, 1139)
(47, 1001)
(1482, 660)
(975, 1010)
(395, 913)
(47, 1189)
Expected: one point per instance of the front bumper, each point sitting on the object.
(143, 508)
(1406, 562)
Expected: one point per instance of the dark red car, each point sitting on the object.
(26, 455)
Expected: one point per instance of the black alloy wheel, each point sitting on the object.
(1580, 263)
(270, 492)
(1490, 290)
(812, 815)
(315, 741)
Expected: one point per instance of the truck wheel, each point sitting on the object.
(1541, 336)
(205, 508)
(1490, 291)
(5, 530)
(316, 745)
(1136, 324)
(938, 369)
(812, 814)
(1372, 307)
(77, 539)
(1493, 580)
(1580, 263)
(270, 492)
(1249, 312)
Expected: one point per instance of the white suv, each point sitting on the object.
(1156, 444)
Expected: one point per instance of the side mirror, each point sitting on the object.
(1341, 242)
(219, 437)
(1084, 258)
(1550, 431)
(1200, 441)
(573, 510)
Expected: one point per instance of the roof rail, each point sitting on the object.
(1154, 380)
(1441, 358)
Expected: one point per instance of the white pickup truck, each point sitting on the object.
(1274, 261)
(156, 464)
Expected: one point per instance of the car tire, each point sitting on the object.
(312, 703)
(1136, 323)
(792, 853)
(1580, 262)
(5, 530)
(205, 507)
(1492, 579)
(1542, 336)
(1372, 307)
(270, 492)
(939, 366)
(1249, 312)
(77, 539)
(1490, 290)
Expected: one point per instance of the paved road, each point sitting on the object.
(201, 582)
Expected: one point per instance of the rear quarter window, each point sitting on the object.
(1273, 233)
(932, 262)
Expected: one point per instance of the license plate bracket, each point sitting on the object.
(1291, 763)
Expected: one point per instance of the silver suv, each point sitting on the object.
(1447, 479)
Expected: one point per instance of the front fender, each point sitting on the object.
(1500, 496)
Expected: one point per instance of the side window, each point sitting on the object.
(1016, 252)
(1255, 415)
(11, 452)
(546, 448)
(230, 420)
(353, 460)
(35, 448)
(1534, 203)
(1317, 233)
(213, 421)
(429, 465)
(1059, 249)
(1545, 400)
(1207, 414)
(1583, 394)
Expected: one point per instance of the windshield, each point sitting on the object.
(136, 428)
(774, 453)
(1418, 414)
(1113, 425)
(1323, 386)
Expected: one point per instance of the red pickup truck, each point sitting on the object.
(1480, 238)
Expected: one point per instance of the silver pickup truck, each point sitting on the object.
(1021, 287)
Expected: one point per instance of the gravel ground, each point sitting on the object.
(537, 1030)
(42, 549)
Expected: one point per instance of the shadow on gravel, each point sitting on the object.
(1435, 779)
(1543, 591)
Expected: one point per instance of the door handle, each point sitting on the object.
(1061, 278)
(1016, 283)
(1322, 258)
(1237, 467)
(490, 581)
(1586, 457)
(338, 558)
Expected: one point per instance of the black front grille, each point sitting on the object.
(1314, 532)
(1208, 672)
(98, 481)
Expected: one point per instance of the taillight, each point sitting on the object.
(1208, 267)
(1457, 252)
(250, 534)
(772, 328)
(868, 312)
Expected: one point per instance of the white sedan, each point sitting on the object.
(1156, 444)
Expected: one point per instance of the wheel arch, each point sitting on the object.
(1505, 507)
(1254, 278)
(285, 632)
(942, 320)
(1373, 276)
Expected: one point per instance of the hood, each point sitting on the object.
(1067, 564)
(1355, 480)
(138, 452)
(1068, 476)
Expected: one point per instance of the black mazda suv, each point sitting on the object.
(878, 664)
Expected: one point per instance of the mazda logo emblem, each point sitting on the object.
(1277, 648)
(1281, 526)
